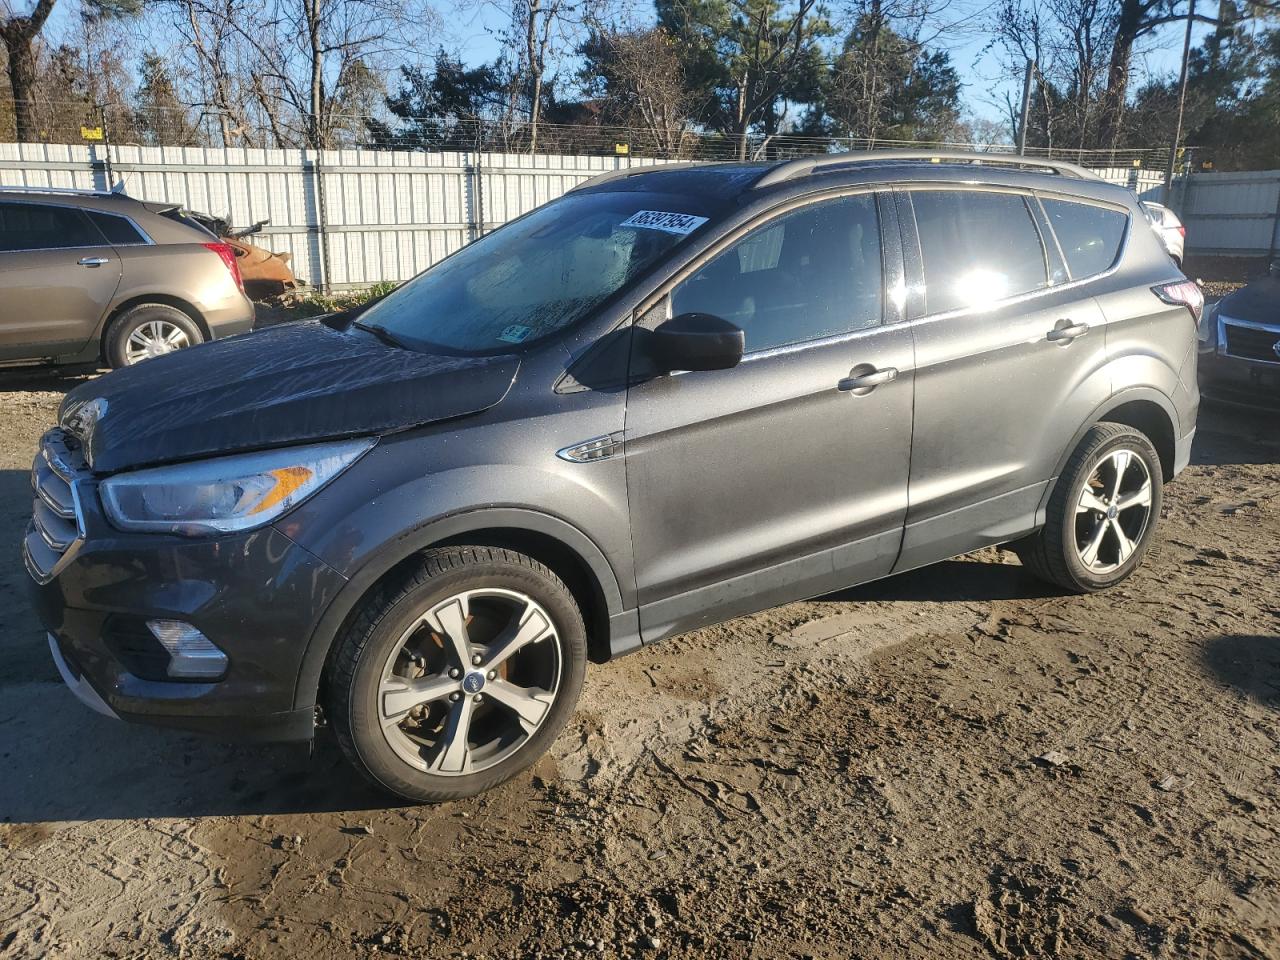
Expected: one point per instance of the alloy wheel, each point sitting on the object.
(1113, 511)
(154, 338)
(470, 681)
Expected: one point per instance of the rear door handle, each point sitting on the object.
(1067, 333)
(93, 261)
(864, 378)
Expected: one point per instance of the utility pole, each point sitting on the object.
(1026, 107)
(1182, 102)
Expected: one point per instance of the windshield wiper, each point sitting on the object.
(383, 334)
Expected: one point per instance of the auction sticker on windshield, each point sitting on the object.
(677, 223)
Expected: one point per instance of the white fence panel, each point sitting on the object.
(1236, 214)
(352, 218)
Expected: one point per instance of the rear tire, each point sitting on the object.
(1102, 514)
(457, 676)
(148, 330)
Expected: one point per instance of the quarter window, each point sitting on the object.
(812, 273)
(1089, 235)
(117, 230)
(979, 247)
(38, 226)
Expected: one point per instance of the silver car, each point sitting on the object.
(1167, 227)
(88, 276)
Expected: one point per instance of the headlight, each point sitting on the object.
(227, 494)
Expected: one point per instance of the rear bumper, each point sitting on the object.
(227, 321)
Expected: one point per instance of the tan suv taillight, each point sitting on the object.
(228, 257)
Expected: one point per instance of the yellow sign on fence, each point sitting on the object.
(91, 133)
(622, 148)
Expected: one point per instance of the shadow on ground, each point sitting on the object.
(1248, 662)
(63, 763)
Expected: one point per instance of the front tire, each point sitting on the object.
(1102, 514)
(459, 676)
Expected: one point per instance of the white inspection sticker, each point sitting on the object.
(678, 223)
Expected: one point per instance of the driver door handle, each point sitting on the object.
(1065, 334)
(93, 261)
(868, 381)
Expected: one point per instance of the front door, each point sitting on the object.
(786, 476)
(57, 278)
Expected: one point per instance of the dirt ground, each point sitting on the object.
(855, 776)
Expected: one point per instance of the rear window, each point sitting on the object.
(117, 230)
(979, 247)
(38, 226)
(1089, 235)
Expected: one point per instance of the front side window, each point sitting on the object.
(979, 247)
(812, 273)
(1089, 235)
(538, 275)
(39, 226)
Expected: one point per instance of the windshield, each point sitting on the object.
(535, 276)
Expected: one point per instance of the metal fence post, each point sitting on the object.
(477, 196)
(322, 222)
(1275, 229)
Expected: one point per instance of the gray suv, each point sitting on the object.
(88, 276)
(668, 398)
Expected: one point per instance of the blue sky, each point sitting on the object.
(468, 31)
(981, 74)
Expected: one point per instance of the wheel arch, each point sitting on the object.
(1142, 408)
(167, 299)
(568, 552)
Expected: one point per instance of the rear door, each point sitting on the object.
(57, 278)
(777, 479)
(1010, 356)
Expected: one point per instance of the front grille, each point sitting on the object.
(1251, 343)
(56, 527)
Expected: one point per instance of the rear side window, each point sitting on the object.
(1089, 236)
(812, 273)
(38, 226)
(979, 247)
(117, 230)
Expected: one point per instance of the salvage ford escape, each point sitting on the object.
(668, 398)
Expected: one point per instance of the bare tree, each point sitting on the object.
(292, 67)
(18, 31)
(638, 78)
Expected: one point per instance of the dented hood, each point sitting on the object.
(295, 383)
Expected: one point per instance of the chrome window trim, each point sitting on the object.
(147, 240)
(1224, 322)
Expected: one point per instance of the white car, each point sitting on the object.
(1167, 227)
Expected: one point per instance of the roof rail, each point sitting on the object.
(75, 191)
(791, 169)
(625, 172)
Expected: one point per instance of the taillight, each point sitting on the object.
(1184, 293)
(1182, 231)
(228, 256)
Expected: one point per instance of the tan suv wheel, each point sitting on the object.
(149, 330)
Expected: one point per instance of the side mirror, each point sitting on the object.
(697, 341)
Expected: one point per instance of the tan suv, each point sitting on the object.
(87, 276)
